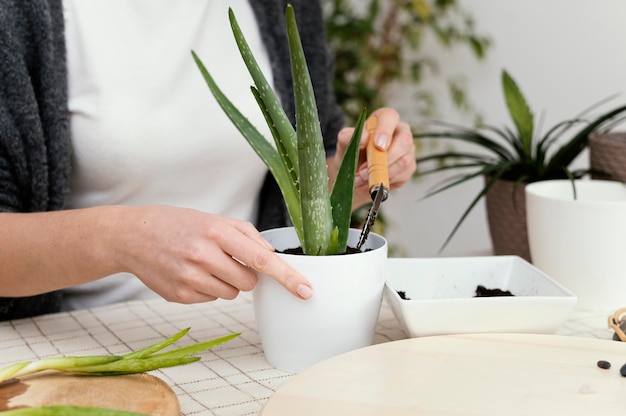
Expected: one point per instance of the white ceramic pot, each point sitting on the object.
(581, 242)
(340, 317)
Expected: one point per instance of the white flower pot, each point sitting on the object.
(340, 317)
(581, 243)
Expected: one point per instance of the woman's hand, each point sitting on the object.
(184, 255)
(189, 256)
(391, 135)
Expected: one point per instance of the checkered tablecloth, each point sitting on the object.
(232, 379)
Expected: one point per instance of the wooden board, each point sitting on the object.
(494, 374)
(141, 393)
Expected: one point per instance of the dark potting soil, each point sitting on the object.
(481, 291)
(299, 251)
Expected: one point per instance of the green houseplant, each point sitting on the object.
(298, 163)
(294, 333)
(511, 158)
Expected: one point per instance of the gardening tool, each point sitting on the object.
(378, 178)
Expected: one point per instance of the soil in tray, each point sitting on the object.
(481, 292)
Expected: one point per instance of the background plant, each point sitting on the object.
(379, 45)
(522, 154)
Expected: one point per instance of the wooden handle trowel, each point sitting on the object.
(378, 179)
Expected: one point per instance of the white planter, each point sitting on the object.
(340, 317)
(581, 243)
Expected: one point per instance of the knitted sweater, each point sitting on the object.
(35, 143)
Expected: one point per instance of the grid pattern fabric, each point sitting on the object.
(230, 380)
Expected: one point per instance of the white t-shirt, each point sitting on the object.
(145, 127)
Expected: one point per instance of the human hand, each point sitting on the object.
(188, 256)
(392, 135)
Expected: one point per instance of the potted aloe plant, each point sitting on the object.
(296, 333)
(510, 159)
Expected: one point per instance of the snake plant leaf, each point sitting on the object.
(519, 112)
(261, 146)
(343, 190)
(317, 221)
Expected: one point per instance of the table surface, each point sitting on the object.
(232, 379)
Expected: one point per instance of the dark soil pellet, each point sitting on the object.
(299, 251)
(604, 364)
(403, 295)
(622, 370)
(482, 291)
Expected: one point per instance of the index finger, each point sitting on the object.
(262, 258)
(388, 120)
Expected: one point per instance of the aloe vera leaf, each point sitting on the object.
(178, 356)
(293, 207)
(10, 371)
(343, 189)
(261, 146)
(61, 363)
(132, 365)
(333, 245)
(199, 347)
(293, 170)
(156, 347)
(519, 112)
(280, 121)
(317, 221)
(68, 410)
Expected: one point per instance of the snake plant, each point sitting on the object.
(298, 160)
(520, 155)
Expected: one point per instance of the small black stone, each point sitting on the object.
(622, 370)
(604, 364)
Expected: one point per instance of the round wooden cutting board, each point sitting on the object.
(142, 393)
(481, 375)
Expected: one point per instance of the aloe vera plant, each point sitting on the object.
(298, 160)
(521, 155)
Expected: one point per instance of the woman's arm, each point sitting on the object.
(183, 255)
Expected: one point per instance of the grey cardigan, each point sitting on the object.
(35, 143)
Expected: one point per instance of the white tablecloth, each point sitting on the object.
(232, 379)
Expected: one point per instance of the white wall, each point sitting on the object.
(564, 54)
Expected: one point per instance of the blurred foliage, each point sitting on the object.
(379, 44)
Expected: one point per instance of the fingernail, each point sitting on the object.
(358, 181)
(304, 291)
(382, 141)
